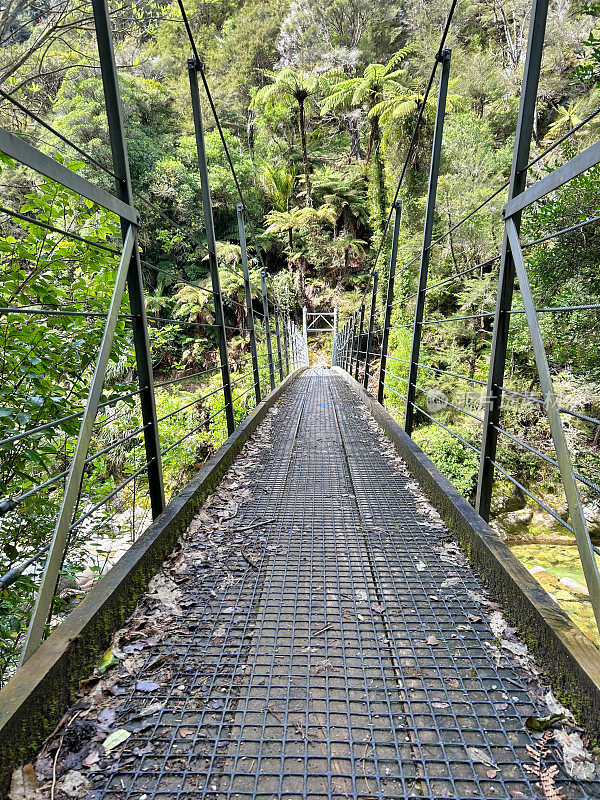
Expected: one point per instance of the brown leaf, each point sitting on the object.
(23, 784)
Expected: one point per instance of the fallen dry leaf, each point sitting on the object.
(450, 582)
(74, 784)
(480, 756)
(147, 686)
(23, 784)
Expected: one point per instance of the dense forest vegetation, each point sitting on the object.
(318, 100)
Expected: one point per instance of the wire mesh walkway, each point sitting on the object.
(349, 658)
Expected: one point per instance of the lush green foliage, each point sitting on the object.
(318, 99)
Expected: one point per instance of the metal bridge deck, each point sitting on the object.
(353, 659)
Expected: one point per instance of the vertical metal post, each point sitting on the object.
(305, 324)
(135, 284)
(356, 342)
(434, 170)
(345, 352)
(389, 300)
(359, 342)
(279, 358)
(292, 345)
(193, 68)
(249, 309)
(285, 344)
(351, 348)
(335, 333)
(263, 286)
(371, 324)
(506, 274)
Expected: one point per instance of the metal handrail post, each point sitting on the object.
(436, 152)
(359, 342)
(335, 333)
(279, 358)
(129, 273)
(351, 343)
(506, 272)
(249, 309)
(285, 344)
(265, 301)
(135, 283)
(371, 325)
(345, 351)
(211, 244)
(292, 344)
(388, 301)
(356, 342)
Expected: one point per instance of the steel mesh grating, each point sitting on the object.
(311, 676)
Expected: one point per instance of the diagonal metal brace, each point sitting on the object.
(582, 536)
(60, 537)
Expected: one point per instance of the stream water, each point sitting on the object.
(560, 561)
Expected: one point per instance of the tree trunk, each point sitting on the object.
(302, 126)
(352, 128)
(250, 131)
(374, 126)
(379, 176)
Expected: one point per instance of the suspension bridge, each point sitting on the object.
(319, 612)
